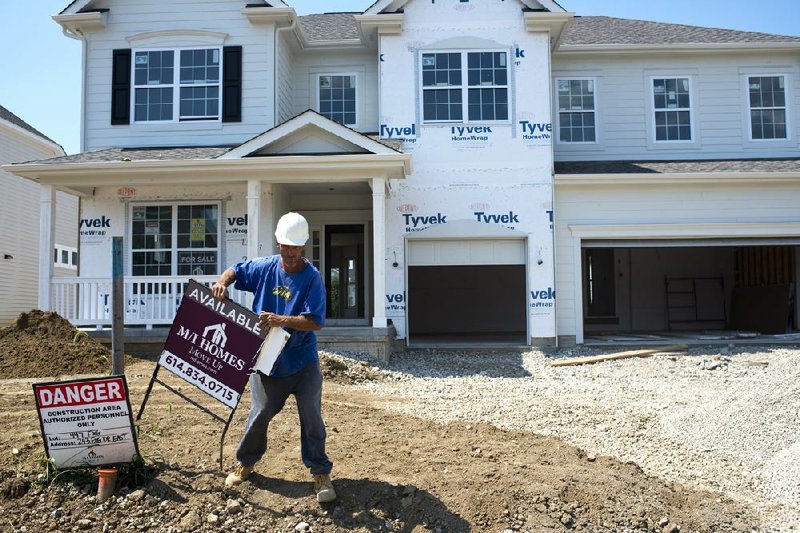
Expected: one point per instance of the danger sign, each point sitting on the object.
(86, 422)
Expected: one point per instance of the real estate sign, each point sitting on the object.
(86, 422)
(213, 345)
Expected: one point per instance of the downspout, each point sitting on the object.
(552, 185)
(291, 26)
(79, 36)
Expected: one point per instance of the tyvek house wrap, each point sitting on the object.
(494, 172)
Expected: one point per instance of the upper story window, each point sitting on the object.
(576, 111)
(767, 107)
(465, 87)
(176, 85)
(337, 97)
(673, 110)
(170, 240)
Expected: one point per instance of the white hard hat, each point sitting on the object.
(292, 230)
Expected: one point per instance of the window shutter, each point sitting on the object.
(121, 87)
(232, 84)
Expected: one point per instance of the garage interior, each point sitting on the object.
(692, 290)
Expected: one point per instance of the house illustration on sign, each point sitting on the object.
(219, 337)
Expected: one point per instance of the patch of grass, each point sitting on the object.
(136, 473)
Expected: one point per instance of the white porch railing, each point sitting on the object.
(149, 301)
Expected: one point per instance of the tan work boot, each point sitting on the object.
(324, 488)
(237, 476)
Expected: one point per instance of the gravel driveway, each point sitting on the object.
(718, 418)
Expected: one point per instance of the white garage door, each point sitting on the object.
(466, 252)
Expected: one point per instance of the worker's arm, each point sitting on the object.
(299, 323)
(220, 289)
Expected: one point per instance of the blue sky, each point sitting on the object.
(41, 67)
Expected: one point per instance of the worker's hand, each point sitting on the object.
(219, 291)
(270, 320)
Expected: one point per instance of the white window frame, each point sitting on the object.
(558, 111)
(355, 75)
(174, 244)
(175, 85)
(690, 109)
(786, 106)
(71, 253)
(465, 87)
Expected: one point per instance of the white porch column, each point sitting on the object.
(47, 243)
(259, 217)
(379, 250)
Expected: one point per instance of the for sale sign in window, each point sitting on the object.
(213, 345)
(86, 422)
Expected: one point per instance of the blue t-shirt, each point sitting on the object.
(282, 293)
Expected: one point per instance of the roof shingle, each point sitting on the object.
(139, 154)
(617, 31)
(7, 115)
(330, 26)
(582, 31)
(679, 167)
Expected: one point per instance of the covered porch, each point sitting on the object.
(189, 213)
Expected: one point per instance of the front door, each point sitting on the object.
(344, 271)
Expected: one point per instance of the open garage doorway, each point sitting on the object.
(467, 291)
(703, 289)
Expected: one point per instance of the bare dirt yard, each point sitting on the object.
(401, 462)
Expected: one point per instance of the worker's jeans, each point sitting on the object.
(268, 396)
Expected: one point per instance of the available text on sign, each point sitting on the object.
(86, 422)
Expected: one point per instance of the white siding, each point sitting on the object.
(132, 18)
(19, 218)
(363, 63)
(661, 204)
(719, 105)
(284, 88)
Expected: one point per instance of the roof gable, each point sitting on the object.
(309, 133)
(392, 6)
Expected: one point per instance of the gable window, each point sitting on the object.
(337, 97)
(175, 240)
(176, 85)
(672, 106)
(456, 85)
(767, 107)
(576, 111)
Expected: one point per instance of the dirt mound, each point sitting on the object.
(347, 371)
(393, 473)
(43, 344)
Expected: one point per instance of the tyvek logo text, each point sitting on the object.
(404, 133)
(418, 223)
(94, 227)
(536, 131)
(470, 133)
(543, 298)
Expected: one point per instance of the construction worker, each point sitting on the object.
(289, 293)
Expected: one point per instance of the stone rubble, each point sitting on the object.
(714, 418)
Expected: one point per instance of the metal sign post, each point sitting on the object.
(118, 309)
